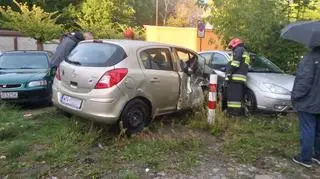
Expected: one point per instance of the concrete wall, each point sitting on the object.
(186, 37)
(23, 43)
(6, 43)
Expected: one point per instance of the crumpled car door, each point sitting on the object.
(191, 76)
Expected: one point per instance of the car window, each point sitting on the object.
(97, 55)
(207, 56)
(24, 61)
(156, 59)
(219, 59)
(186, 59)
(183, 55)
(263, 65)
(186, 56)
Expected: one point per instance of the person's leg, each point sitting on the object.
(316, 157)
(307, 137)
(234, 98)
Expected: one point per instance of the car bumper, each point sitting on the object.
(105, 110)
(273, 102)
(30, 96)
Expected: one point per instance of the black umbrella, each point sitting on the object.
(304, 32)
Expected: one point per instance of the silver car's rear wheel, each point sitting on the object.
(135, 116)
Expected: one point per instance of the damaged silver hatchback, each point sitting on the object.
(129, 82)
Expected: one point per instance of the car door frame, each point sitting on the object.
(158, 110)
(185, 100)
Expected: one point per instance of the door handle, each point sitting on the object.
(155, 80)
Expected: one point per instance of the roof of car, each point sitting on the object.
(219, 51)
(135, 44)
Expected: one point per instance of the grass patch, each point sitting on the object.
(174, 154)
(127, 174)
(17, 148)
(47, 137)
(248, 140)
(55, 142)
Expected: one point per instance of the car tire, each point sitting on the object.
(250, 103)
(135, 116)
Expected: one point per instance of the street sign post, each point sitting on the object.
(201, 32)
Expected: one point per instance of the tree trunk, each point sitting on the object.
(39, 45)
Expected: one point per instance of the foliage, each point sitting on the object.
(258, 23)
(99, 17)
(33, 22)
(144, 12)
(166, 9)
(139, 31)
(304, 10)
(68, 18)
(47, 5)
(186, 14)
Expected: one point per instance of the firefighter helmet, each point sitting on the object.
(128, 34)
(234, 43)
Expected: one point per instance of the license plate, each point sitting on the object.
(70, 101)
(9, 95)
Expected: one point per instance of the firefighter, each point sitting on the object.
(236, 77)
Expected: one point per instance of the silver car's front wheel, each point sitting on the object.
(250, 103)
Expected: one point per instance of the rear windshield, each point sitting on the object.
(96, 55)
(23, 61)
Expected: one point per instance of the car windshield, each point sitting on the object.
(263, 65)
(23, 61)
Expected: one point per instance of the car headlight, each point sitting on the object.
(37, 83)
(273, 88)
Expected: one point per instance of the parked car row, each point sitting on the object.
(131, 82)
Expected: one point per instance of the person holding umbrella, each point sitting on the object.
(305, 94)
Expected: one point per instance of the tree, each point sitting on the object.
(101, 17)
(304, 10)
(258, 23)
(144, 11)
(33, 22)
(187, 13)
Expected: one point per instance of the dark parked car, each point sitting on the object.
(26, 76)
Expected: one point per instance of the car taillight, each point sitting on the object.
(111, 78)
(58, 73)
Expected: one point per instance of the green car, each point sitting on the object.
(26, 77)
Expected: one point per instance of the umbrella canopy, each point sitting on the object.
(305, 32)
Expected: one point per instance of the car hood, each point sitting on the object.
(21, 76)
(280, 79)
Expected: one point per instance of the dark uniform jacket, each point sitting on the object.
(68, 43)
(306, 90)
(238, 66)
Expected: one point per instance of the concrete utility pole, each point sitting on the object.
(157, 11)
